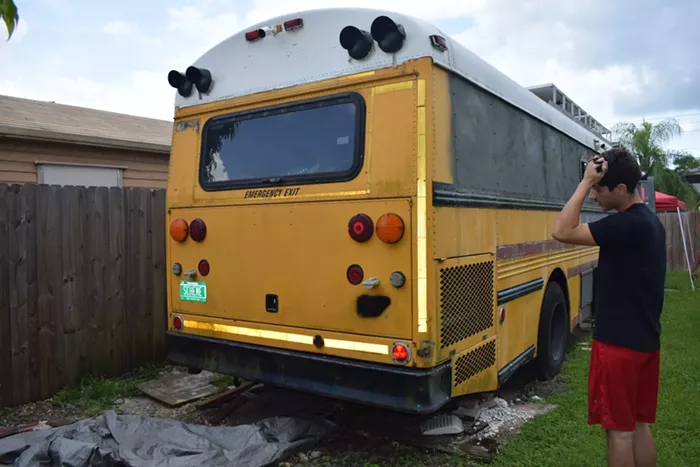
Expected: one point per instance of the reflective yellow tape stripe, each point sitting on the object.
(357, 346)
(288, 337)
(422, 212)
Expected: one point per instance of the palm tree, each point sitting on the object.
(8, 13)
(647, 141)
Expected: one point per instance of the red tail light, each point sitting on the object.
(178, 322)
(293, 24)
(400, 352)
(254, 35)
(355, 274)
(198, 230)
(361, 228)
(204, 267)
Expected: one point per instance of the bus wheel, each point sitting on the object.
(553, 332)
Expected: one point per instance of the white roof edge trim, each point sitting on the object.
(313, 53)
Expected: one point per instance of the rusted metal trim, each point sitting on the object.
(577, 270)
(530, 248)
(449, 195)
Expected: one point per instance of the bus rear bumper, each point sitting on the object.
(402, 389)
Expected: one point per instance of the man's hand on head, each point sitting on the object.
(567, 228)
(595, 170)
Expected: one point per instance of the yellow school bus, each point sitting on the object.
(360, 207)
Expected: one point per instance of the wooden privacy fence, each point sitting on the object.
(675, 254)
(82, 285)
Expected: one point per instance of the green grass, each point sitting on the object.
(563, 436)
(95, 395)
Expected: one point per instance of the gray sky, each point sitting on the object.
(620, 60)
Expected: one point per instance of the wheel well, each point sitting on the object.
(559, 277)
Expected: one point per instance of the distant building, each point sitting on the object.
(560, 101)
(48, 143)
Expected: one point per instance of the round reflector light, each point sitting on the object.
(390, 228)
(178, 322)
(203, 267)
(355, 274)
(400, 352)
(397, 279)
(360, 228)
(198, 230)
(178, 230)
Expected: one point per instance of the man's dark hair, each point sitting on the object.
(622, 168)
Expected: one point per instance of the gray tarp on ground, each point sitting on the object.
(135, 441)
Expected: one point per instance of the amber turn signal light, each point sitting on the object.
(178, 230)
(390, 228)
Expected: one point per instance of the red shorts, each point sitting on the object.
(623, 387)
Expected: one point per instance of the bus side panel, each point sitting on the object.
(474, 370)
(465, 308)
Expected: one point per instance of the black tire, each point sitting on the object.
(553, 336)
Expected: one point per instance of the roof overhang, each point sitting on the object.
(11, 131)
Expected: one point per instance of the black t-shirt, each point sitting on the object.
(629, 284)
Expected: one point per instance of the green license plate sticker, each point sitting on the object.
(193, 291)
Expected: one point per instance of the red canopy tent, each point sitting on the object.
(666, 203)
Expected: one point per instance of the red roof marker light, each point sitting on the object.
(293, 24)
(255, 35)
(438, 42)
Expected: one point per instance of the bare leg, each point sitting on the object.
(644, 448)
(620, 448)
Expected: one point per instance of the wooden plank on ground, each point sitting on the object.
(178, 389)
(223, 397)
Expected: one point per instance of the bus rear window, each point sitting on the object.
(310, 142)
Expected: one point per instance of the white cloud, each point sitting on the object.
(118, 28)
(528, 42)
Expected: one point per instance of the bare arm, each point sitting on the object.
(567, 228)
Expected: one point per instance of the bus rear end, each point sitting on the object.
(293, 238)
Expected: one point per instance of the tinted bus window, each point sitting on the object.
(311, 142)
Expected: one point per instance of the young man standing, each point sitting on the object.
(624, 369)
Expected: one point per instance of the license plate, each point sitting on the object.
(193, 291)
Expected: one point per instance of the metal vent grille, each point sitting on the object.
(474, 362)
(466, 301)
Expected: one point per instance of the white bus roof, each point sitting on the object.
(313, 53)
